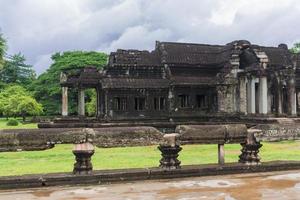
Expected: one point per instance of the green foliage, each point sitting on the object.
(28, 106)
(16, 101)
(16, 71)
(295, 48)
(3, 48)
(47, 88)
(91, 104)
(12, 122)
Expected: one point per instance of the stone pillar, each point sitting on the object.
(243, 95)
(291, 97)
(98, 109)
(81, 103)
(279, 99)
(251, 95)
(221, 154)
(64, 107)
(263, 95)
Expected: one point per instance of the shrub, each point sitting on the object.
(12, 122)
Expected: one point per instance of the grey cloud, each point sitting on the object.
(40, 28)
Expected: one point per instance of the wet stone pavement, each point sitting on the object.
(270, 186)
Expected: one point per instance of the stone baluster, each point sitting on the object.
(83, 153)
(169, 151)
(250, 149)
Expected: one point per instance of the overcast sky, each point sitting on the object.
(39, 28)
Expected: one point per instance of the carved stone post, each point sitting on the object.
(64, 106)
(81, 103)
(251, 95)
(250, 149)
(291, 97)
(83, 153)
(263, 95)
(169, 152)
(221, 154)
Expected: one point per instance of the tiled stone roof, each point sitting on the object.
(136, 83)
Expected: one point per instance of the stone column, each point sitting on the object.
(279, 99)
(251, 95)
(263, 95)
(64, 107)
(243, 95)
(81, 103)
(291, 97)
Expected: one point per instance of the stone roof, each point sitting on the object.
(278, 56)
(136, 83)
(134, 57)
(193, 80)
(194, 54)
(190, 54)
(297, 59)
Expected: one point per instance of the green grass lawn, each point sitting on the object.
(3, 125)
(61, 159)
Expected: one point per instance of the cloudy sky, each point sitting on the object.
(38, 28)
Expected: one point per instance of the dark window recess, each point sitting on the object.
(159, 103)
(139, 103)
(184, 100)
(202, 101)
(120, 103)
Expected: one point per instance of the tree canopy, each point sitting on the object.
(47, 89)
(16, 101)
(16, 71)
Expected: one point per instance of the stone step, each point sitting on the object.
(286, 121)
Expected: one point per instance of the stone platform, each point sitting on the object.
(126, 175)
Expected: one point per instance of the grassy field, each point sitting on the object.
(61, 159)
(3, 125)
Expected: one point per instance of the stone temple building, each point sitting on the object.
(179, 81)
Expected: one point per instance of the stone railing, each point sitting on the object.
(170, 145)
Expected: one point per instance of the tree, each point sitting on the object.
(28, 106)
(16, 101)
(295, 48)
(16, 71)
(2, 50)
(47, 88)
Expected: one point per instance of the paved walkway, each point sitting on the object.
(270, 186)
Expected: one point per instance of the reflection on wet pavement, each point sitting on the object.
(270, 186)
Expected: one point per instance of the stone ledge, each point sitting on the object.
(125, 175)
